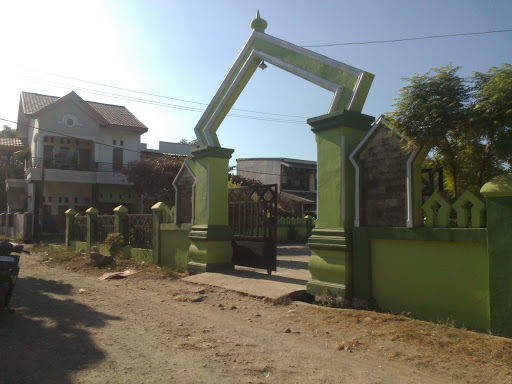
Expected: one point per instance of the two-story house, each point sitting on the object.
(75, 150)
(296, 180)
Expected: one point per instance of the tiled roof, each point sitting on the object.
(13, 142)
(113, 114)
(33, 102)
(117, 115)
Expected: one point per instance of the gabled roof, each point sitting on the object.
(114, 116)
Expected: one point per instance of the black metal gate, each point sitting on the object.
(253, 220)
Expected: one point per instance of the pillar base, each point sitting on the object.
(330, 262)
(317, 287)
(210, 248)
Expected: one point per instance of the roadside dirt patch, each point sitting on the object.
(152, 327)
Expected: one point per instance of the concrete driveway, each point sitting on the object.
(292, 275)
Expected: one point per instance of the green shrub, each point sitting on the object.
(115, 244)
(18, 239)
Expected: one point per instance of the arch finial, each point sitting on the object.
(258, 24)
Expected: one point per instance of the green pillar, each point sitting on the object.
(70, 214)
(161, 214)
(498, 194)
(210, 235)
(120, 213)
(92, 227)
(330, 265)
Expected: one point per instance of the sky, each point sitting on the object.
(175, 54)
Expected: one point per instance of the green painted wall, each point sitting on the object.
(139, 254)
(175, 245)
(120, 194)
(433, 280)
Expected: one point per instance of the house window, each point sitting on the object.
(117, 159)
(51, 139)
(70, 120)
(101, 195)
(60, 199)
(76, 199)
(110, 195)
(122, 143)
(114, 142)
(50, 199)
(66, 199)
(45, 139)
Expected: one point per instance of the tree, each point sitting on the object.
(153, 177)
(466, 123)
(7, 132)
(492, 109)
(194, 142)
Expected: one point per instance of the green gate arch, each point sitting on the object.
(350, 85)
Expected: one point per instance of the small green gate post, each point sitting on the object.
(161, 214)
(70, 214)
(120, 213)
(330, 264)
(92, 227)
(498, 194)
(211, 236)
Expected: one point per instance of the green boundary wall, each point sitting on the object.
(435, 274)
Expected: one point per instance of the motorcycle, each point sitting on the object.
(9, 270)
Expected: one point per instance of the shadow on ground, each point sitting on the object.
(48, 337)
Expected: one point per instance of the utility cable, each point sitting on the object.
(166, 97)
(407, 39)
(69, 136)
(151, 102)
(114, 146)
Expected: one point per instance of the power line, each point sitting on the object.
(113, 146)
(167, 97)
(67, 136)
(153, 102)
(407, 39)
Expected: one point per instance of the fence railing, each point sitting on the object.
(138, 231)
(105, 226)
(73, 165)
(295, 228)
(79, 229)
(468, 211)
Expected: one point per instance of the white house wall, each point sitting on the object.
(267, 171)
(131, 142)
(88, 128)
(66, 195)
(32, 130)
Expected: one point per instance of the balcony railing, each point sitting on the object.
(73, 165)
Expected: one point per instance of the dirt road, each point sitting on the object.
(71, 327)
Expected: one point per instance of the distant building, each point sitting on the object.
(295, 179)
(166, 147)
